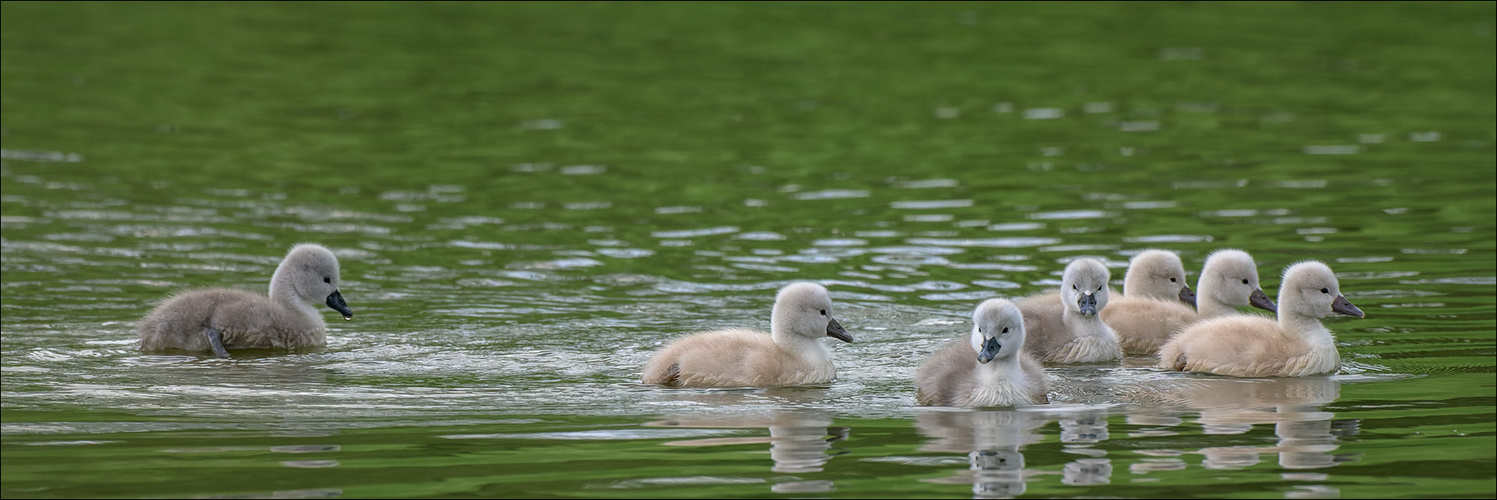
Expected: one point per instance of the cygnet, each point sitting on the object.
(791, 354)
(988, 368)
(1153, 305)
(1296, 345)
(1069, 330)
(220, 319)
(1228, 280)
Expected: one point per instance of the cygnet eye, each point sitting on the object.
(1005, 329)
(1244, 281)
(1172, 280)
(1099, 288)
(1325, 290)
(823, 312)
(326, 279)
(1073, 286)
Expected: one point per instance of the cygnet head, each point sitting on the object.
(1231, 277)
(1157, 274)
(805, 309)
(309, 274)
(1310, 289)
(997, 330)
(1083, 286)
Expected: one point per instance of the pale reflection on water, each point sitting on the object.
(800, 441)
(993, 440)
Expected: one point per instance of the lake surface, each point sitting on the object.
(529, 200)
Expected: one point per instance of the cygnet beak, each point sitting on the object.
(1260, 300)
(1343, 306)
(335, 301)
(989, 350)
(1187, 296)
(834, 330)
(1088, 304)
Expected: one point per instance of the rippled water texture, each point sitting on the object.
(529, 200)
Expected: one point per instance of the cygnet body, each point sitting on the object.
(988, 368)
(220, 319)
(1296, 345)
(1069, 330)
(1153, 305)
(791, 354)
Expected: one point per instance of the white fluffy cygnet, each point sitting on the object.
(791, 354)
(988, 368)
(221, 319)
(1296, 345)
(1153, 305)
(1228, 280)
(1069, 330)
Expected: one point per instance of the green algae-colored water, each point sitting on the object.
(528, 200)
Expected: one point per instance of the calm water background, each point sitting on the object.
(529, 199)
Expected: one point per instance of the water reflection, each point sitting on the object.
(800, 441)
(1307, 436)
(991, 439)
(1080, 432)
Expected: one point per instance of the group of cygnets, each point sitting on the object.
(999, 363)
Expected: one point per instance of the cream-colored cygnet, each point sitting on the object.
(1069, 330)
(1229, 280)
(1296, 345)
(791, 354)
(1153, 305)
(220, 319)
(988, 368)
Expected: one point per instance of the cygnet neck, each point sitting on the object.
(1292, 320)
(1084, 326)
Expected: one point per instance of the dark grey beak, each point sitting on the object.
(335, 301)
(1343, 306)
(1088, 304)
(834, 330)
(1187, 296)
(1261, 301)
(989, 350)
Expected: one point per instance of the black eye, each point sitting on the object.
(1005, 330)
(326, 279)
(823, 312)
(1099, 288)
(1172, 280)
(1073, 286)
(1244, 281)
(1325, 290)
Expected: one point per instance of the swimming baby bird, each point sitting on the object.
(220, 319)
(988, 368)
(1296, 345)
(791, 354)
(1229, 280)
(1068, 330)
(1153, 305)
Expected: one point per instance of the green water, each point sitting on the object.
(528, 200)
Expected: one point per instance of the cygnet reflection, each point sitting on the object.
(1079, 431)
(991, 439)
(799, 439)
(1307, 436)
